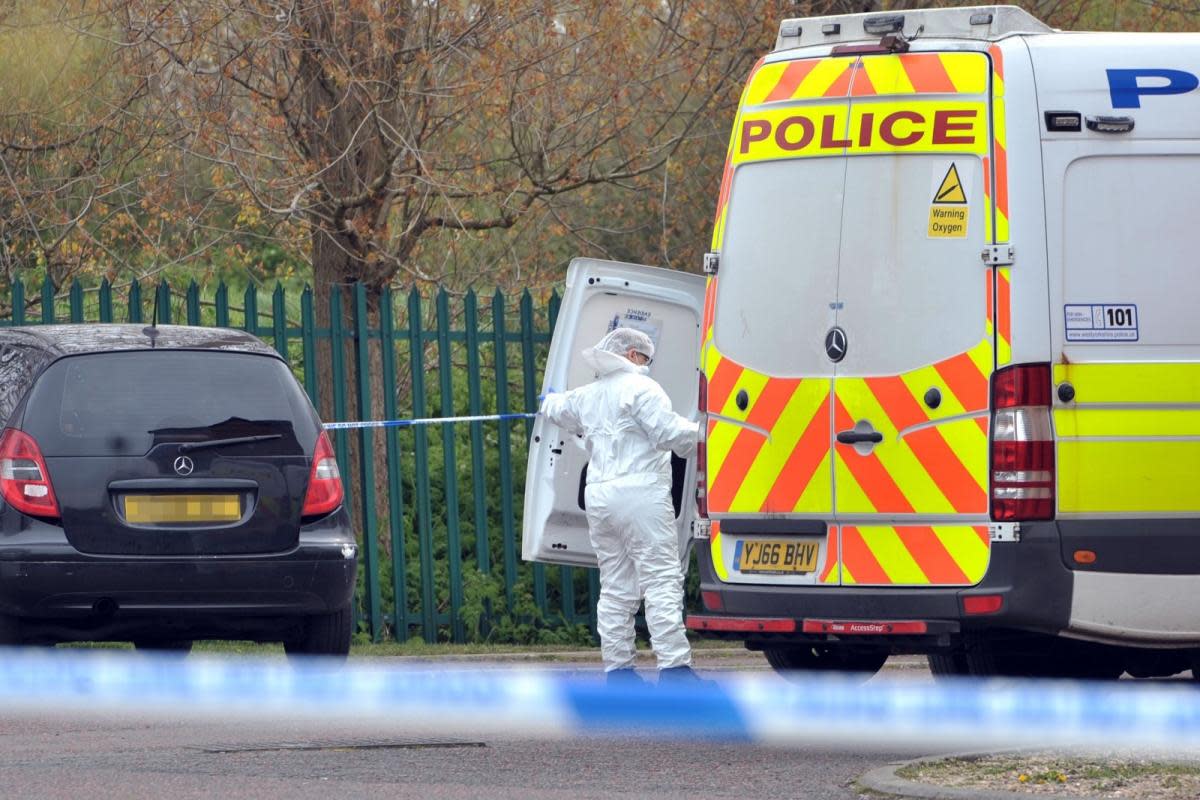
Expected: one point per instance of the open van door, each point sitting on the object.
(602, 295)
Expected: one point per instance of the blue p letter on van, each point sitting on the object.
(1126, 93)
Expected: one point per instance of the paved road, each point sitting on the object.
(48, 757)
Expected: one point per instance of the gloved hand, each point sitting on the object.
(549, 391)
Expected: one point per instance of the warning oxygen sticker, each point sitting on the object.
(950, 209)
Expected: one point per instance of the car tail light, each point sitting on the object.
(702, 451)
(1023, 476)
(325, 491)
(24, 479)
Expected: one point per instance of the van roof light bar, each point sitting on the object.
(878, 26)
(977, 23)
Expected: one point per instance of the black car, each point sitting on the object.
(166, 484)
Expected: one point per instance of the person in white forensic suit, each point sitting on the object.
(630, 431)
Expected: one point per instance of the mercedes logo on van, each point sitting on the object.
(835, 344)
(184, 466)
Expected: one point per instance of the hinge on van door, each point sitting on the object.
(999, 255)
(1004, 532)
(701, 528)
(712, 262)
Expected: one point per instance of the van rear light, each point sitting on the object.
(1023, 474)
(24, 479)
(702, 450)
(325, 492)
(982, 603)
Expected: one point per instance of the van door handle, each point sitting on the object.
(854, 437)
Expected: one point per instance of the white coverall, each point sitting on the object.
(629, 429)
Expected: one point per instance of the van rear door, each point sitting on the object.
(852, 338)
(913, 316)
(602, 295)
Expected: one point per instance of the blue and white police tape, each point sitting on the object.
(405, 423)
(887, 713)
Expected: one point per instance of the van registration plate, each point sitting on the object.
(777, 556)
(167, 508)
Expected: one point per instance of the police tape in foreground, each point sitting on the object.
(819, 709)
(406, 423)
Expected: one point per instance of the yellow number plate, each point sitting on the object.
(165, 508)
(775, 556)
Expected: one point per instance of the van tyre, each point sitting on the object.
(794, 660)
(947, 665)
(1041, 657)
(324, 635)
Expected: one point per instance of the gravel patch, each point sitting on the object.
(1064, 775)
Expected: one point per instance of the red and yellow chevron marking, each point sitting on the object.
(929, 469)
(1003, 316)
(836, 77)
(1000, 229)
(727, 174)
(831, 572)
(914, 555)
(714, 549)
(927, 125)
(751, 473)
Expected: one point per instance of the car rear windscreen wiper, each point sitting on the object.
(189, 446)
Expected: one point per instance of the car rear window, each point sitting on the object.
(128, 402)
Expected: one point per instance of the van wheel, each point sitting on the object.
(324, 635)
(791, 662)
(1038, 656)
(948, 665)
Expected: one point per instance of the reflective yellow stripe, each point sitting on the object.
(723, 434)
(793, 422)
(1155, 475)
(968, 72)
(1148, 477)
(1155, 382)
(1003, 345)
(895, 559)
(1128, 423)
(967, 549)
(887, 75)
(818, 494)
(714, 549)
(965, 437)
(849, 493)
(896, 457)
(822, 77)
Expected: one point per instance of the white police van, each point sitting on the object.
(948, 351)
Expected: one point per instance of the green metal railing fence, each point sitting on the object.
(438, 509)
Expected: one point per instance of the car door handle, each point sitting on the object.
(854, 437)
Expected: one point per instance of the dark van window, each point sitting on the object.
(128, 402)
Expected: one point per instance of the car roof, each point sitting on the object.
(62, 340)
